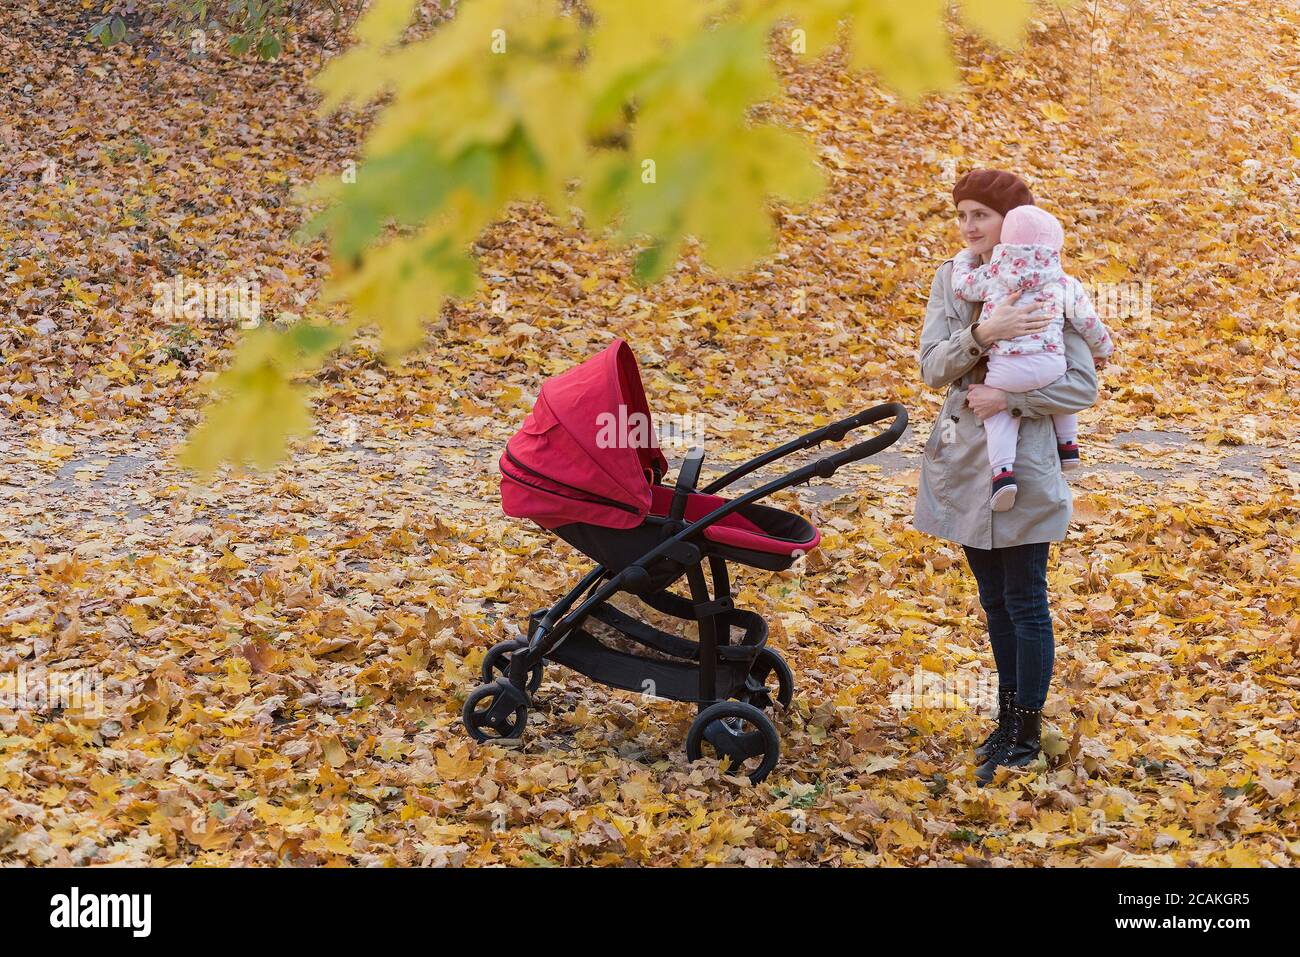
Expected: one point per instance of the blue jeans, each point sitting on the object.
(1013, 591)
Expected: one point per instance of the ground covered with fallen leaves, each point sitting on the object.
(283, 657)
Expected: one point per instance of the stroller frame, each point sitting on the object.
(727, 679)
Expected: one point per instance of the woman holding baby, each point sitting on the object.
(1015, 342)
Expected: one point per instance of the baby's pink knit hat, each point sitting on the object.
(1032, 226)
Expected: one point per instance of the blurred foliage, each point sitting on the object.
(647, 108)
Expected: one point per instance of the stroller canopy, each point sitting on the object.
(585, 449)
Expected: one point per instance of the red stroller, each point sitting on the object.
(566, 471)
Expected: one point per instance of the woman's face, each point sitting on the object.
(980, 226)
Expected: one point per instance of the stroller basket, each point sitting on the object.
(679, 681)
(608, 500)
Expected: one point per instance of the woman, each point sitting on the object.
(1007, 551)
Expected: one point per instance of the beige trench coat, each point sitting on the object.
(952, 499)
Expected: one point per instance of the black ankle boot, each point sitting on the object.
(1006, 701)
(1020, 748)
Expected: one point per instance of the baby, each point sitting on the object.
(1028, 259)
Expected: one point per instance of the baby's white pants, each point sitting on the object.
(1022, 373)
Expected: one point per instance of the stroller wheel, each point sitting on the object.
(495, 711)
(758, 690)
(496, 664)
(739, 731)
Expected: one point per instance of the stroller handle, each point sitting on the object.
(827, 433)
(825, 468)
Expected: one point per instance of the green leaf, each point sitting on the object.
(313, 339)
(268, 46)
(650, 263)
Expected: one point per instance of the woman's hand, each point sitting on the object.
(1009, 320)
(985, 400)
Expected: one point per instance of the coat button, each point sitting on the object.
(974, 351)
(956, 418)
(1015, 411)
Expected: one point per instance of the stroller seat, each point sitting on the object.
(755, 535)
(759, 536)
(754, 528)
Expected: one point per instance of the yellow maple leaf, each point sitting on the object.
(330, 841)
(1055, 112)
(231, 562)
(904, 835)
(1240, 855)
